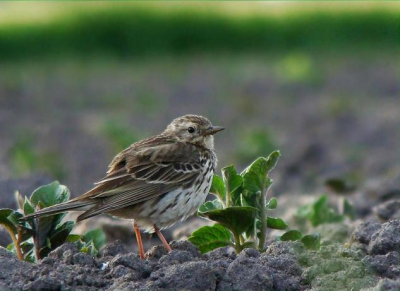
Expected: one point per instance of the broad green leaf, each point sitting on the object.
(9, 225)
(311, 241)
(28, 207)
(73, 238)
(276, 223)
(50, 195)
(232, 180)
(256, 182)
(272, 203)
(262, 166)
(97, 236)
(253, 182)
(208, 238)
(237, 219)
(15, 217)
(210, 205)
(291, 235)
(218, 188)
(43, 229)
(61, 233)
(252, 199)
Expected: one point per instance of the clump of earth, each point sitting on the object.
(368, 262)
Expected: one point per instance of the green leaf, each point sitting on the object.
(89, 248)
(9, 225)
(61, 233)
(208, 238)
(73, 238)
(50, 195)
(232, 181)
(15, 217)
(272, 203)
(28, 207)
(210, 205)
(312, 241)
(252, 199)
(291, 235)
(320, 212)
(237, 219)
(255, 177)
(218, 188)
(97, 236)
(276, 223)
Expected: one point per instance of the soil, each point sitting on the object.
(368, 261)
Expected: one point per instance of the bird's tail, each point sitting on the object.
(59, 208)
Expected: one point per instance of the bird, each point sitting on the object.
(155, 182)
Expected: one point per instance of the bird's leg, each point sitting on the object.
(162, 238)
(139, 240)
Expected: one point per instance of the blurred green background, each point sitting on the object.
(80, 81)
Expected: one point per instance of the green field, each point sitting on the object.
(136, 31)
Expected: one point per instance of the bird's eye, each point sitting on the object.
(191, 129)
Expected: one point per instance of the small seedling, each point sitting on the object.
(321, 211)
(240, 209)
(34, 239)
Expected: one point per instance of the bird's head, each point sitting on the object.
(193, 129)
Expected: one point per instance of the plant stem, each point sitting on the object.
(238, 247)
(16, 243)
(228, 195)
(37, 250)
(17, 246)
(263, 218)
(241, 239)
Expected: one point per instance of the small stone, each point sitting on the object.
(224, 252)
(386, 239)
(114, 249)
(43, 284)
(387, 210)
(384, 265)
(176, 257)
(83, 260)
(155, 253)
(185, 246)
(59, 253)
(251, 253)
(364, 232)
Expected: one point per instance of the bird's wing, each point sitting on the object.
(143, 174)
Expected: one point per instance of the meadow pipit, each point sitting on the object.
(156, 182)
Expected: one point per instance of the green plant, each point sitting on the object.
(320, 211)
(34, 239)
(240, 209)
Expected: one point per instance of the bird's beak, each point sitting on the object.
(214, 129)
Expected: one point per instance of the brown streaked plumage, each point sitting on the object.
(156, 182)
